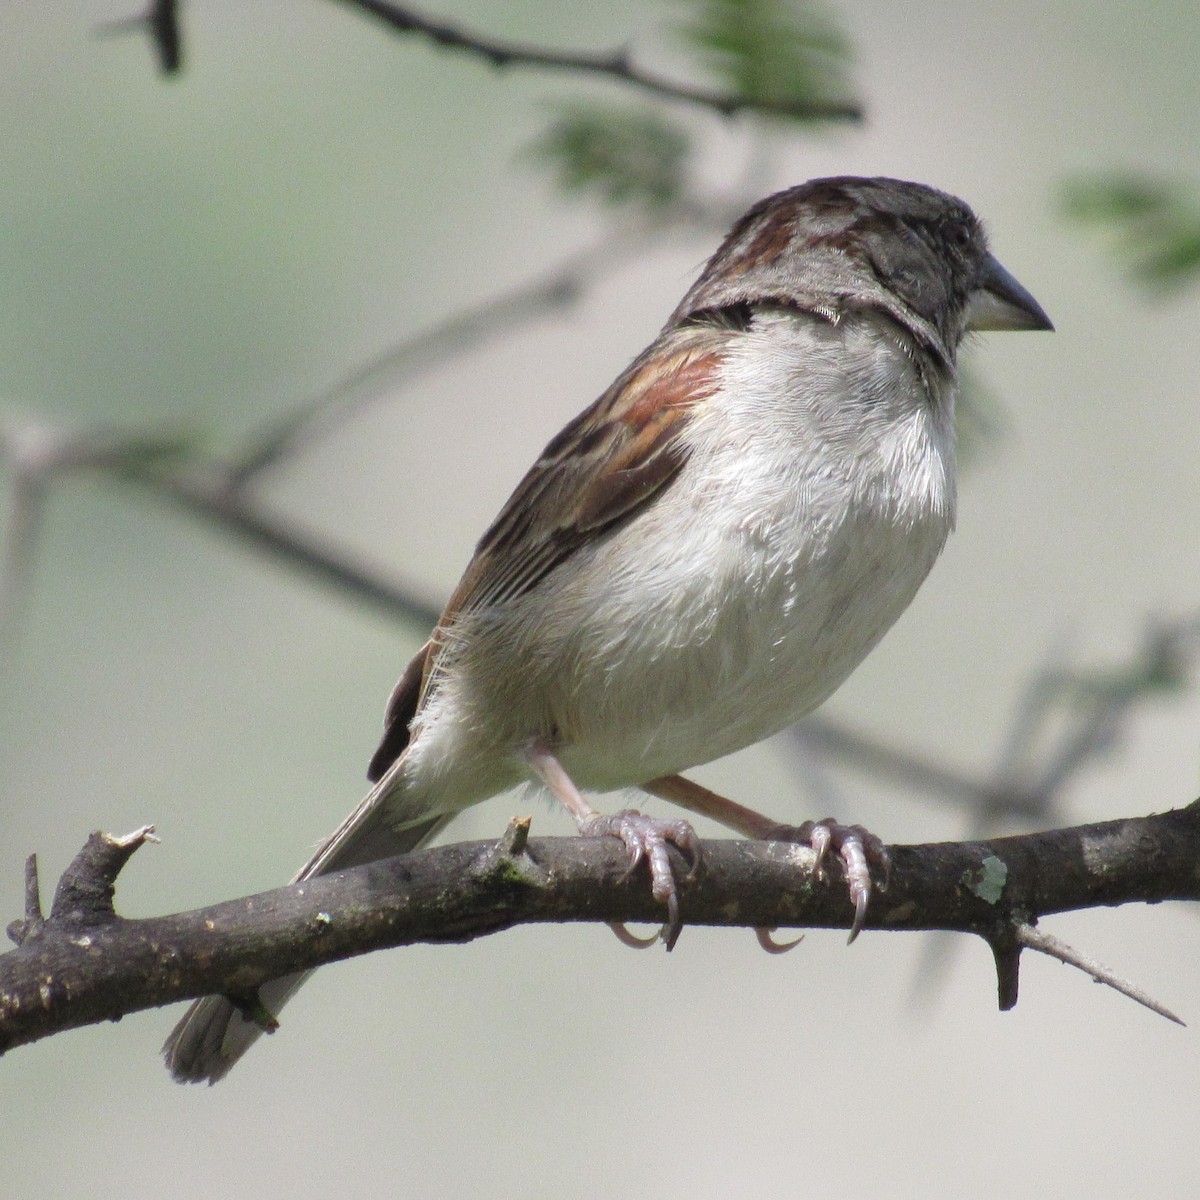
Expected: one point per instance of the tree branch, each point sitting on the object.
(614, 65)
(85, 964)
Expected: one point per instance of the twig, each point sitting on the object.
(330, 409)
(84, 895)
(911, 770)
(1158, 662)
(615, 65)
(161, 22)
(1047, 943)
(87, 964)
(205, 492)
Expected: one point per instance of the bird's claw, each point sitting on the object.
(647, 838)
(859, 851)
(771, 946)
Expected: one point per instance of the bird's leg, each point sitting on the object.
(644, 837)
(700, 800)
(858, 848)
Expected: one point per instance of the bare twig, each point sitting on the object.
(1104, 701)
(615, 65)
(87, 964)
(32, 453)
(161, 22)
(330, 409)
(911, 770)
(204, 491)
(1047, 943)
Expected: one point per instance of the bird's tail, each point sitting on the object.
(214, 1033)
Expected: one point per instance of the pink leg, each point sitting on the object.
(644, 837)
(858, 849)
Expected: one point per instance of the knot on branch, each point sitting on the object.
(84, 895)
(506, 865)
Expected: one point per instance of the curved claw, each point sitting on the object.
(859, 850)
(771, 946)
(858, 879)
(647, 838)
(628, 938)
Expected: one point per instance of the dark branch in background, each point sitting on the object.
(1063, 721)
(85, 964)
(206, 491)
(904, 767)
(554, 292)
(1023, 787)
(616, 65)
(161, 22)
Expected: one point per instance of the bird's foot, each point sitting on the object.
(647, 838)
(858, 849)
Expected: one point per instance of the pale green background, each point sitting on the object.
(204, 252)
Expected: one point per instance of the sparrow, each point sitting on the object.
(702, 556)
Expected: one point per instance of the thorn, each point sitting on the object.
(515, 838)
(250, 1005)
(1047, 943)
(33, 892)
(1006, 952)
(19, 932)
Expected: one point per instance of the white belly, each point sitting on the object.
(747, 591)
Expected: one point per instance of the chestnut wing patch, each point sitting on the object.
(596, 474)
(600, 471)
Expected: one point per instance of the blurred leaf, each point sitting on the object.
(1114, 198)
(623, 156)
(1154, 224)
(772, 51)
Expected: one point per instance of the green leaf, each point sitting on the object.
(622, 156)
(772, 51)
(1153, 224)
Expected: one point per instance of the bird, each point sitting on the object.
(703, 555)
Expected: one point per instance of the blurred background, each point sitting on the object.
(192, 259)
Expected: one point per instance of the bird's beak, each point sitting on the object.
(1000, 302)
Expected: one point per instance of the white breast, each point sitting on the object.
(818, 492)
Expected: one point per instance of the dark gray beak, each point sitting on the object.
(1000, 302)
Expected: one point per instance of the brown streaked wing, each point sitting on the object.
(401, 708)
(599, 471)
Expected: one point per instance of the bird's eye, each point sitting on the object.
(961, 234)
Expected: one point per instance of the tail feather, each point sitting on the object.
(213, 1033)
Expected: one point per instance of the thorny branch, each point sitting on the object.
(615, 65)
(85, 964)
(161, 21)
